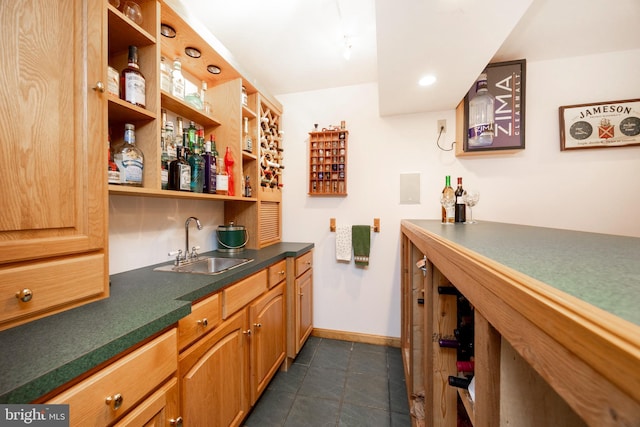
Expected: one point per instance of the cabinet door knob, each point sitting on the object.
(258, 325)
(204, 322)
(115, 401)
(176, 422)
(247, 332)
(282, 272)
(24, 295)
(99, 87)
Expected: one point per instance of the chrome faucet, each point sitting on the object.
(194, 251)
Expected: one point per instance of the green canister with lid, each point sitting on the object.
(232, 238)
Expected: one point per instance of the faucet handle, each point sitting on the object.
(178, 255)
(194, 251)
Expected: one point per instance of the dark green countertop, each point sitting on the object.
(44, 354)
(600, 269)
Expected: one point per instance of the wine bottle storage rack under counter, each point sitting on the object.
(328, 163)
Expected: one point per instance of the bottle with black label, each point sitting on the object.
(132, 81)
(460, 215)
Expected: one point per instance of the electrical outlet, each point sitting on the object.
(442, 124)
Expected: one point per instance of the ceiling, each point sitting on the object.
(287, 46)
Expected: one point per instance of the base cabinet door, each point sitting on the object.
(268, 349)
(214, 376)
(304, 308)
(159, 409)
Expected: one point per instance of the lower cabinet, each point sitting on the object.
(226, 370)
(299, 302)
(214, 376)
(159, 409)
(121, 387)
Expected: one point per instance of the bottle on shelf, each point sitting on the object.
(206, 105)
(481, 115)
(222, 179)
(130, 159)
(228, 164)
(197, 166)
(165, 75)
(179, 169)
(132, 81)
(460, 212)
(112, 168)
(448, 213)
(164, 154)
(459, 382)
(177, 79)
(248, 191)
(209, 167)
(245, 97)
(246, 137)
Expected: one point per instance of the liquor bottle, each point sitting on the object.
(132, 81)
(248, 191)
(448, 214)
(222, 179)
(228, 164)
(481, 115)
(206, 105)
(130, 159)
(165, 75)
(192, 132)
(460, 215)
(178, 83)
(112, 168)
(209, 167)
(179, 170)
(197, 167)
(164, 154)
(178, 131)
(246, 138)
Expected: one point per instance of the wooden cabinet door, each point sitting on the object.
(53, 191)
(52, 128)
(158, 410)
(214, 376)
(304, 308)
(267, 322)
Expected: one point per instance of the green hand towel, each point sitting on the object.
(361, 242)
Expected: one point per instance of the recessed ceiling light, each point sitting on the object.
(427, 80)
(167, 31)
(192, 52)
(213, 69)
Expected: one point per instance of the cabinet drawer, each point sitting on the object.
(131, 377)
(51, 283)
(304, 262)
(277, 273)
(204, 316)
(242, 293)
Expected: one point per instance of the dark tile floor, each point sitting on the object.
(336, 383)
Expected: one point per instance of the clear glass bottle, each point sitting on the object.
(197, 166)
(481, 115)
(132, 81)
(165, 75)
(245, 97)
(246, 137)
(177, 79)
(130, 159)
(206, 106)
(448, 213)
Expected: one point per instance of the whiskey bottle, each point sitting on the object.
(132, 81)
(130, 159)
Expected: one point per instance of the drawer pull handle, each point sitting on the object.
(247, 332)
(204, 322)
(282, 273)
(308, 262)
(115, 401)
(24, 295)
(258, 325)
(300, 294)
(177, 422)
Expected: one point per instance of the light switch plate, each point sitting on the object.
(409, 188)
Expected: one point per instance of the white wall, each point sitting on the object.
(592, 190)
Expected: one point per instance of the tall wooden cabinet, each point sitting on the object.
(53, 221)
(299, 302)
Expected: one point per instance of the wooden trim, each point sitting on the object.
(356, 337)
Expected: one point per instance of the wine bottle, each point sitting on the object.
(448, 214)
(459, 382)
(132, 81)
(465, 366)
(460, 213)
(448, 290)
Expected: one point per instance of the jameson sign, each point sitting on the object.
(34, 415)
(598, 125)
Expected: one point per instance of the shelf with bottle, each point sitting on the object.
(186, 110)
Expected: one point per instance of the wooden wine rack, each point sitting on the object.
(270, 148)
(328, 162)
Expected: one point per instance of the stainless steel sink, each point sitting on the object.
(206, 265)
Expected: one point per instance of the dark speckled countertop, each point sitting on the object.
(44, 354)
(600, 269)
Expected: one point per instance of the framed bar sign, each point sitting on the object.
(506, 82)
(600, 125)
